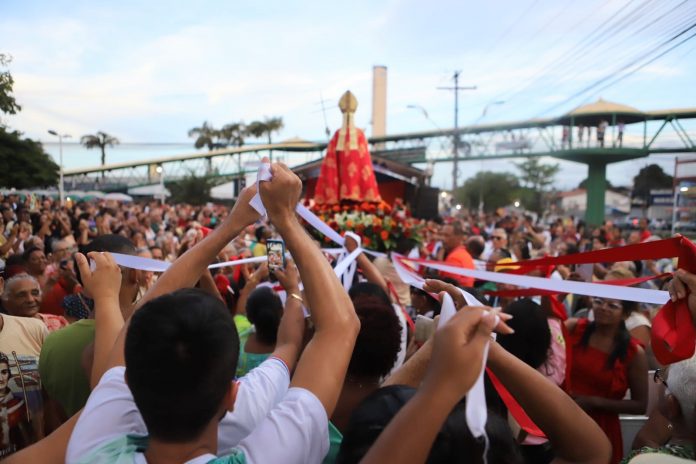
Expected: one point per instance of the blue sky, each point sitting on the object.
(149, 71)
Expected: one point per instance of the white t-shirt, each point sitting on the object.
(294, 431)
(259, 392)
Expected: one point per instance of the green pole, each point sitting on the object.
(596, 188)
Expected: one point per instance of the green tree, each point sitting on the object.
(99, 140)
(649, 178)
(494, 189)
(266, 127)
(24, 162)
(191, 189)
(232, 134)
(8, 104)
(583, 184)
(536, 177)
(206, 136)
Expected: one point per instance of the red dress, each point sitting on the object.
(590, 377)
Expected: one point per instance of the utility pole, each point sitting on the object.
(455, 140)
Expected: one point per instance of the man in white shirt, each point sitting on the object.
(181, 351)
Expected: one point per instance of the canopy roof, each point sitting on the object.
(594, 113)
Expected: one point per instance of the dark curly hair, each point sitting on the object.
(532, 338)
(379, 340)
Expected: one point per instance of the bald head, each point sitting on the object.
(475, 246)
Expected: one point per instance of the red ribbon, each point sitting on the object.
(409, 321)
(514, 407)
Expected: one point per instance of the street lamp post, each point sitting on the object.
(160, 171)
(61, 189)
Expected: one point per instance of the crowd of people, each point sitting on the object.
(243, 363)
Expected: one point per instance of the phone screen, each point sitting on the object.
(275, 249)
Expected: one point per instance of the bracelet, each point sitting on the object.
(296, 296)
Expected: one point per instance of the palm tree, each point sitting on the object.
(266, 127)
(206, 136)
(101, 140)
(232, 134)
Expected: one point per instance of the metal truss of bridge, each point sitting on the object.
(571, 137)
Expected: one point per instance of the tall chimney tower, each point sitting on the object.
(379, 101)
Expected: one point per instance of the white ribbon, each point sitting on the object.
(318, 224)
(476, 409)
(641, 295)
(137, 262)
(154, 265)
(255, 259)
(346, 267)
(263, 175)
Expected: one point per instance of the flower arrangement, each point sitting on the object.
(379, 225)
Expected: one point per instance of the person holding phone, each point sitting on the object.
(264, 310)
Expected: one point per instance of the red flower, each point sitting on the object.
(377, 228)
(384, 235)
(336, 209)
(333, 225)
(407, 233)
(360, 228)
(366, 241)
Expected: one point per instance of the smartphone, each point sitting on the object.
(275, 250)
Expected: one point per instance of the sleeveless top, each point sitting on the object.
(591, 377)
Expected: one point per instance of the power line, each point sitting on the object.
(627, 66)
(455, 145)
(496, 42)
(570, 55)
(632, 53)
(582, 63)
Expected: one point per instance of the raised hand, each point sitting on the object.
(682, 282)
(281, 194)
(438, 286)
(350, 243)
(258, 275)
(289, 278)
(243, 214)
(104, 282)
(458, 351)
